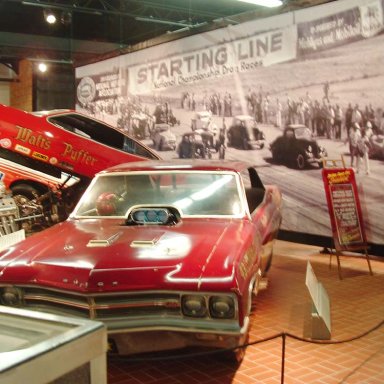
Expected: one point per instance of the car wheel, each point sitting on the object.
(300, 161)
(236, 356)
(23, 194)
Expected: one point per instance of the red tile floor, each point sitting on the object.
(357, 309)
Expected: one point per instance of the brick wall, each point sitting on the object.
(21, 92)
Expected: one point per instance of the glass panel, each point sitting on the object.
(193, 193)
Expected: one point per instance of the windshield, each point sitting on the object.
(100, 132)
(192, 193)
(303, 133)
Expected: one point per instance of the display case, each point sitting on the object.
(41, 348)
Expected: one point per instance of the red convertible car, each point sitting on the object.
(166, 254)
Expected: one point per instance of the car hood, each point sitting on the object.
(168, 135)
(96, 255)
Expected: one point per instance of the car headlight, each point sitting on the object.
(309, 149)
(222, 307)
(11, 296)
(194, 306)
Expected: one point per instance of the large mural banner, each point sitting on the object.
(280, 92)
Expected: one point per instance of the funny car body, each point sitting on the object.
(49, 157)
(166, 254)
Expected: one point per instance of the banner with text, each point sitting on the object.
(341, 28)
(344, 208)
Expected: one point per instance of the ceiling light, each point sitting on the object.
(264, 3)
(42, 67)
(50, 17)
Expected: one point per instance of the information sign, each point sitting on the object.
(344, 208)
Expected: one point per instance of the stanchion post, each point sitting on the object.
(283, 357)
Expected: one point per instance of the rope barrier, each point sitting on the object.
(283, 335)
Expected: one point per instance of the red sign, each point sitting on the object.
(344, 208)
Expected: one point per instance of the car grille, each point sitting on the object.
(102, 306)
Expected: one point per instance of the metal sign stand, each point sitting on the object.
(338, 246)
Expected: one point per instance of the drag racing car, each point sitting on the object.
(297, 148)
(245, 134)
(167, 254)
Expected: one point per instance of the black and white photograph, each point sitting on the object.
(283, 98)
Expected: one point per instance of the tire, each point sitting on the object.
(23, 194)
(300, 161)
(236, 356)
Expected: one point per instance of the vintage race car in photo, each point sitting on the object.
(203, 120)
(297, 148)
(245, 134)
(201, 144)
(376, 146)
(163, 138)
(167, 254)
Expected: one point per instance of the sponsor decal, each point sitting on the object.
(79, 156)
(26, 135)
(22, 149)
(53, 160)
(5, 143)
(246, 263)
(40, 156)
(66, 165)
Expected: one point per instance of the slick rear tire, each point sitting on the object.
(23, 194)
(25, 191)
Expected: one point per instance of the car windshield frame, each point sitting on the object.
(193, 193)
(303, 133)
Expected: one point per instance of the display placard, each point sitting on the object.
(344, 208)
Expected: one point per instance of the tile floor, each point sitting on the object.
(357, 307)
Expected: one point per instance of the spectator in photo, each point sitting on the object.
(338, 120)
(348, 118)
(357, 116)
(363, 145)
(354, 137)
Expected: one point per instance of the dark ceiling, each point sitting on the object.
(88, 30)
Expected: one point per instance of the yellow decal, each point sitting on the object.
(79, 156)
(40, 156)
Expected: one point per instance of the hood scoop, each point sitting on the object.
(103, 242)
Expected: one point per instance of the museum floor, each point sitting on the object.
(356, 352)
